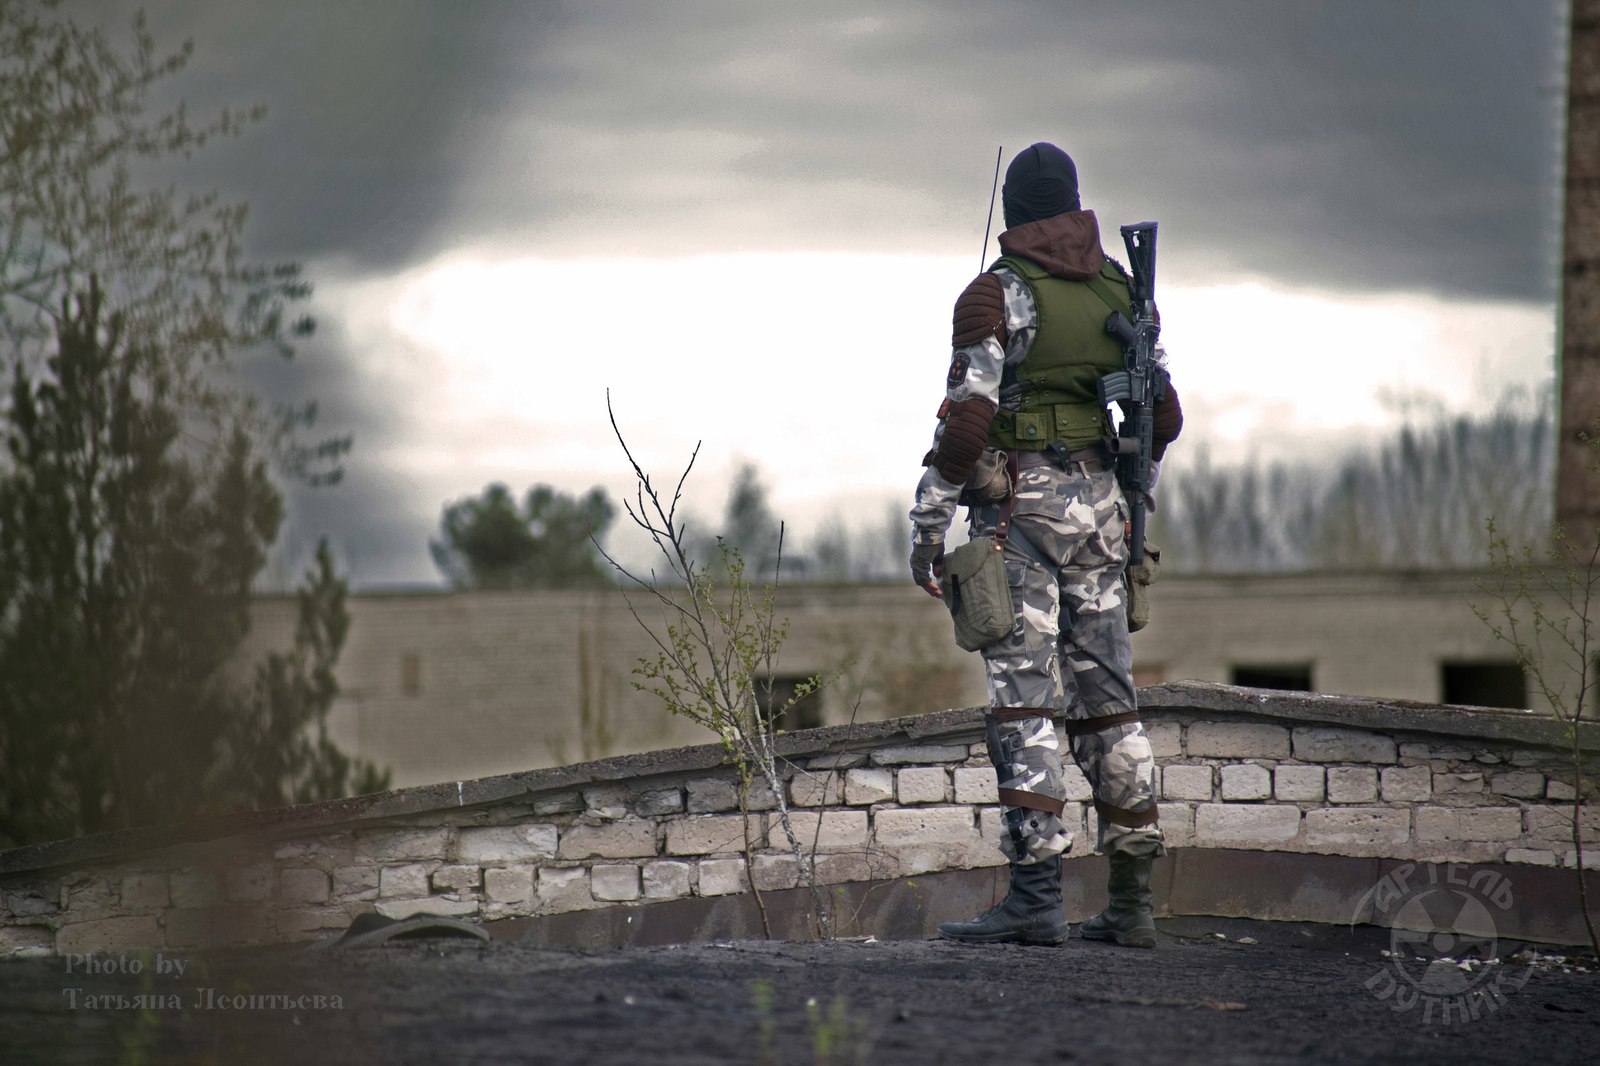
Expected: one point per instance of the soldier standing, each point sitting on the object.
(1030, 346)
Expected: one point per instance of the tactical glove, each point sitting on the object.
(927, 562)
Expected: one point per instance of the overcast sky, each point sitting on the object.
(749, 220)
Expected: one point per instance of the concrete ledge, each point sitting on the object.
(1360, 712)
(1273, 886)
(1316, 793)
(964, 725)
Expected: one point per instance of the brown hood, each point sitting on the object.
(1067, 245)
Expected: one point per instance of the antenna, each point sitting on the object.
(989, 221)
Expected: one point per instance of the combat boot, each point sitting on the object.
(1030, 913)
(1127, 918)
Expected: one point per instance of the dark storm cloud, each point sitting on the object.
(1343, 143)
(376, 517)
(369, 104)
(1353, 144)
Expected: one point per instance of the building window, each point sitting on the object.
(1289, 678)
(411, 674)
(1484, 683)
(805, 714)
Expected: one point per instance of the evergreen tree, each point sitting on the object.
(280, 749)
(135, 502)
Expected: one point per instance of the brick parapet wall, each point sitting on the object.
(1237, 769)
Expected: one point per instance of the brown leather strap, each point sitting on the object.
(1002, 525)
(1017, 714)
(1015, 797)
(1094, 454)
(1076, 727)
(1122, 816)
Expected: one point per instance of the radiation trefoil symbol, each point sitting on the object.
(1442, 960)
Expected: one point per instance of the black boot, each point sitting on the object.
(1127, 919)
(1030, 913)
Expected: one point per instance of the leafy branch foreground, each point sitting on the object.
(1548, 612)
(716, 640)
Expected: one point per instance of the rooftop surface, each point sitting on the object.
(1217, 990)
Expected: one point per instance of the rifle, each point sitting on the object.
(1140, 383)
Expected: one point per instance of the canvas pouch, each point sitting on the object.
(977, 592)
(1136, 582)
(990, 481)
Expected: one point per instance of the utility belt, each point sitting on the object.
(995, 474)
(1094, 459)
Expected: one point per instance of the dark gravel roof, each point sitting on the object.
(1263, 992)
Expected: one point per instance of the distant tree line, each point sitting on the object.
(549, 539)
(1418, 499)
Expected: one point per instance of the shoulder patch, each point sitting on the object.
(980, 311)
(958, 369)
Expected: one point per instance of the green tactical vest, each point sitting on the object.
(1071, 351)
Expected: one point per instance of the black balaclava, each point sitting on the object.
(1041, 181)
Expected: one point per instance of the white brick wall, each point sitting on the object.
(924, 825)
(1352, 784)
(1237, 740)
(976, 784)
(922, 784)
(615, 883)
(1357, 830)
(1183, 781)
(868, 785)
(903, 809)
(1408, 784)
(1220, 824)
(721, 877)
(666, 880)
(1299, 783)
(838, 829)
(707, 834)
(1325, 745)
(1248, 781)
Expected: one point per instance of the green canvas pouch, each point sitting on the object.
(1136, 582)
(977, 592)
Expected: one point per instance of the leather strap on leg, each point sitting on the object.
(1124, 817)
(1016, 797)
(1002, 769)
(1017, 714)
(1077, 727)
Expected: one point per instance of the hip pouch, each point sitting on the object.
(978, 593)
(1136, 582)
(990, 482)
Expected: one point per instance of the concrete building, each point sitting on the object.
(446, 686)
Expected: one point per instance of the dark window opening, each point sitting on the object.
(1484, 684)
(1288, 678)
(411, 673)
(804, 713)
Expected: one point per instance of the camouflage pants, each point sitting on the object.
(1067, 656)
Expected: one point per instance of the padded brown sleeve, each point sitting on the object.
(980, 311)
(1166, 422)
(966, 433)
